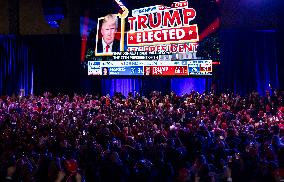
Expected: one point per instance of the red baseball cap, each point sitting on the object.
(71, 165)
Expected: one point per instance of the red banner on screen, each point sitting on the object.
(164, 35)
(169, 70)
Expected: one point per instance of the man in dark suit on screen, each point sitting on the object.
(108, 43)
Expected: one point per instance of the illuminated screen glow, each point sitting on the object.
(177, 39)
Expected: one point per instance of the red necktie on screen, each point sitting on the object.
(107, 48)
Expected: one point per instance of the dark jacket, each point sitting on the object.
(115, 46)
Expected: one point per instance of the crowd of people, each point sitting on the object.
(192, 137)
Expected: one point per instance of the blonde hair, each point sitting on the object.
(111, 18)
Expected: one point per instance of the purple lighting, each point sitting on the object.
(185, 85)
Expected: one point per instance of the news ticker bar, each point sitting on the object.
(139, 55)
(192, 67)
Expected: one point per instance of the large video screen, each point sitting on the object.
(176, 38)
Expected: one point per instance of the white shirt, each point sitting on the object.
(104, 46)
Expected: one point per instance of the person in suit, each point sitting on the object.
(108, 43)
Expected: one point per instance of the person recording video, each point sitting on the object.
(108, 43)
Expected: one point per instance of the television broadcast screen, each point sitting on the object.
(177, 38)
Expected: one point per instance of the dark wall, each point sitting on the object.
(16, 66)
(39, 63)
(251, 39)
(280, 15)
(26, 17)
(4, 14)
(57, 63)
(250, 14)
